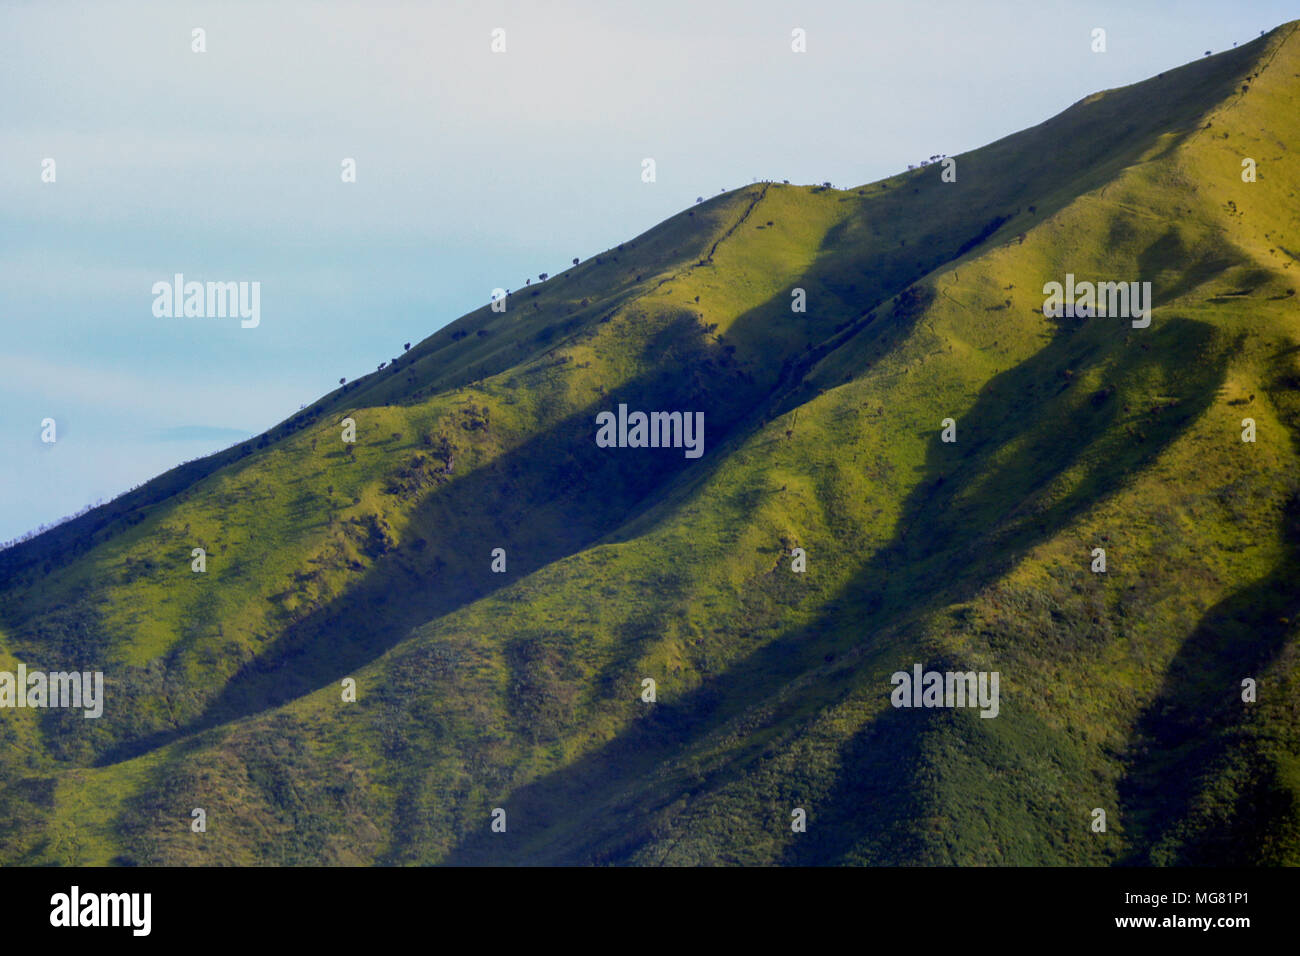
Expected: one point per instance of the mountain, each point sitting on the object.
(522, 689)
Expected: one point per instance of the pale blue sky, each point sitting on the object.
(475, 170)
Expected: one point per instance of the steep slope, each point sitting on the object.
(522, 690)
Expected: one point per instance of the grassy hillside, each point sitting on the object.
(522, 689)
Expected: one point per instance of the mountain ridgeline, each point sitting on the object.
(829, 536)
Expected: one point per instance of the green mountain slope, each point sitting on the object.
(522, 690)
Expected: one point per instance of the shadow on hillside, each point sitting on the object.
(969, 518)
(1198, 723)
(550, 497)
(557, 481)
(942, 543)
(1168, 252)
(943, 535)
(877, 804)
